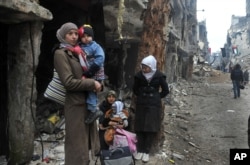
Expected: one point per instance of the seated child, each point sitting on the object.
(118, 115)
(118, 118)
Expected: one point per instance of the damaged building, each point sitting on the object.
(127, 30)
(203, 43)
(237, 46)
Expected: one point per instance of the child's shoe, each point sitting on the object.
(93, 116)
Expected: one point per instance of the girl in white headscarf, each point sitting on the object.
(150, 87)
(148, 65)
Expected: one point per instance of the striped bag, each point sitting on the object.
(55, 90)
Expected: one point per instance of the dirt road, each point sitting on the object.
(211, 123)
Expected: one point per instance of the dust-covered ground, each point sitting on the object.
(208, 124)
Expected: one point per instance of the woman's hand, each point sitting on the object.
(125, 123)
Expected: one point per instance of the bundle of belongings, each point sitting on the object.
(122, 143)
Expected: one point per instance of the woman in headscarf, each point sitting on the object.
(104, 106)
(80, 137)
(150, 87)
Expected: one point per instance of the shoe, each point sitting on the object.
(93, 116)
(145, 157)
(138, 156)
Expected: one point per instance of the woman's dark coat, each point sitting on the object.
(148, 101)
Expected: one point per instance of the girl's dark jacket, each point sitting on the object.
(148, 101)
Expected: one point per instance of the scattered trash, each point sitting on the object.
(59, 149)
(171, 161)
(184, 92)
(59, 125)
(54, 118)
(179, 156)
(35, 157)
(60, 135)
(230, 110)
(168, 132)
(192, 144)
(47, 159)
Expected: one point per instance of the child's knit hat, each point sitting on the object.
(86, 29)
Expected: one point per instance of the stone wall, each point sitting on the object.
(22, 24)
(22, 60)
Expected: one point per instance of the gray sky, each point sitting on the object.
(218, 18)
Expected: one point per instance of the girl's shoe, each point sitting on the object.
(138, 155)
(145, 157)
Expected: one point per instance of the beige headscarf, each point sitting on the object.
(63, 30)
